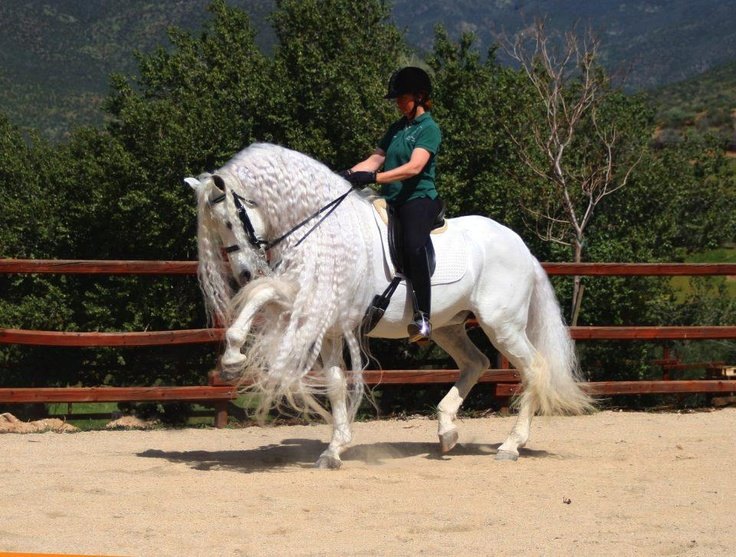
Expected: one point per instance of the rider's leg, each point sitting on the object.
(417, 267)
(416, 217)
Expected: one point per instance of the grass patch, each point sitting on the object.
(90, 416)
(86, 416)
(724, 254)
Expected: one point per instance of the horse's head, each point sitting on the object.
(230, 228)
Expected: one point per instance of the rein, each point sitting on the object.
(330, 207)
(250, 232)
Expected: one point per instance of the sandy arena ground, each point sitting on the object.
(613, 483)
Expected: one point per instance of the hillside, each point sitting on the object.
(703, 104)
(55, 57)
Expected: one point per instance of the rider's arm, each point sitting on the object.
(419, 159)
(372, 163)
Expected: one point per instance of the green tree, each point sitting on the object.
(473, 99)
(190, 109)
(121, 196)
(331, 66)
(659, 216)
(34, 226)
(116, 193)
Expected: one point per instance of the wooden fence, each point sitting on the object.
(218, 394)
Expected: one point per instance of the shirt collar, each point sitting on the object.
(419, 119)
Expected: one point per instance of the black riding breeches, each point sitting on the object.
(417, 217)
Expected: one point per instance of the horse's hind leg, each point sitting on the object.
(519, 435)
(472, 363)
(515, 345)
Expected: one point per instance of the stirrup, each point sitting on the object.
(420, 330)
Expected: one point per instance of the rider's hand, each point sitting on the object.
(359, 177)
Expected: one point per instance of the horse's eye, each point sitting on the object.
(229, 225)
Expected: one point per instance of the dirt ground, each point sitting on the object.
(612, 483)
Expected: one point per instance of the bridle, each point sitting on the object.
(265, 245)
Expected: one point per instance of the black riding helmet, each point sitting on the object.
(409, 80)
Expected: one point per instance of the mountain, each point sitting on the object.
(654, 41)
(56, 56)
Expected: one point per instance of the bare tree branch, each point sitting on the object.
(570, 88)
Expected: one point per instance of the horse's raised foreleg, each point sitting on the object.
(236, 334)
(341, 431)
(472, 363)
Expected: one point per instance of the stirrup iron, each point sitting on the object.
(420, 330)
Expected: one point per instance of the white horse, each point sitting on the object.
(310, 254)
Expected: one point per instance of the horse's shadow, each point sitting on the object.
(302, 453)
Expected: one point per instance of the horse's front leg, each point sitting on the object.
(341, 430)
(233, 358)
(472, 363)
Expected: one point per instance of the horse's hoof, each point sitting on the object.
(328, 463)
(448, 440)
(507, 455)
(229, 374)
(233, 361)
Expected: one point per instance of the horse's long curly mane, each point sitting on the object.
(324, 280)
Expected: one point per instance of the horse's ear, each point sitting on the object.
(194, 183)
(219, 182)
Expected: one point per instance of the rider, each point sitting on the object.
(407, 154)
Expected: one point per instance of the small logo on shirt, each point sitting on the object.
(412, 137)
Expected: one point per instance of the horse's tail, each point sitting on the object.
(551, 386)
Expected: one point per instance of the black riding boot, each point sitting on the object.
(417, 268)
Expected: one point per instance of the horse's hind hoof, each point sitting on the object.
(328, 463)
(507, 455)
(448, 440)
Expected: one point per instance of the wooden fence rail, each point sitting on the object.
(201, 336)
(218, 394)
(109, 267)
(95, 339)
(97, 267)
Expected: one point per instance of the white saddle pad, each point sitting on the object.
(450, 249)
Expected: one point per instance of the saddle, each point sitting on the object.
(380, 302)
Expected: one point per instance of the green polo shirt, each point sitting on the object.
(398, 143)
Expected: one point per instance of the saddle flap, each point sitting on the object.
(450, 261)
